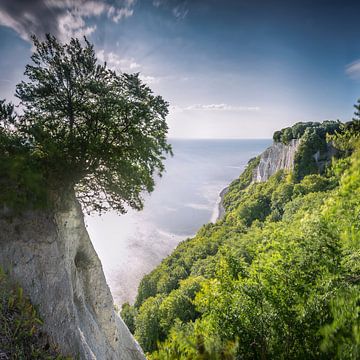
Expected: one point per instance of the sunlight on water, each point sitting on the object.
(185, 198)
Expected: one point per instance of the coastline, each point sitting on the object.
(221, 209)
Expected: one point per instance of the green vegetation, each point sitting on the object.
(21, 336)
(298, 130)
(277, 278)
(314, 140)
(82, 127)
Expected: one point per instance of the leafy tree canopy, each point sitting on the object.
(87, 127)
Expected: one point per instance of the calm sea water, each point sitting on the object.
(185, 198)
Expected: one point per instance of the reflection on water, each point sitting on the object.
(185, 198)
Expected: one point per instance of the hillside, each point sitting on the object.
(270, 279)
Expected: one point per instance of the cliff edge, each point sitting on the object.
(50, 255)
(277, 157)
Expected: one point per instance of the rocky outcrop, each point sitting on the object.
(49, 253)
(276, 157)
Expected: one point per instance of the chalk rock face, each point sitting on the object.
(51, 256)
(276, 157)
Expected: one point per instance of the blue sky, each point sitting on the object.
(229, 69)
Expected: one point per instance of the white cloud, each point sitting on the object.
(353, 69)
(116, 62)
(117, 14)
(72, 25)
(148, 79)
(64, 19)
(127, 65)
(215, 107)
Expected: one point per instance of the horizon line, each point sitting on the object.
(191, 138)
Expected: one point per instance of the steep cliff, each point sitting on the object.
(51, 256)
(280, 156)
(276, 157)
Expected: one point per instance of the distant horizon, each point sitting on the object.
(192, 138)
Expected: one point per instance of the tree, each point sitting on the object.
(128, 314)
(347, 137)
(93, 130)
(148, 330)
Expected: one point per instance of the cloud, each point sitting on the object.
(178, 8)
(116, 62)
(148, 79)
(127, 65)
(353, 70)
(64, 19)
(215, 107)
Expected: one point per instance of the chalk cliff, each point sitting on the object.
(49, 253)
(276, 157)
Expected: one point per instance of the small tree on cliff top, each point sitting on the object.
(89, 128)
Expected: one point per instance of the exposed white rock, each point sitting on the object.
(276, 157)
(51, 256)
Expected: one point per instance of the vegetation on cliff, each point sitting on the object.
(79, 127)
(21, 335)
(278, 277)
(301, 129)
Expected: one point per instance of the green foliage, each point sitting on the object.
(128, 314)
(21, 335)
(234, 192)
(278, 277)
(21, 179)
(298, 130)
(314, 183)
(178, 305)
(304, 162)
(313, 151)
(348, 135)
(148, 330)
(190, 253)
(83, 126)
(190, 341)
(342, 335)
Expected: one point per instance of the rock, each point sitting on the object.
(50, 255)
(276, 157)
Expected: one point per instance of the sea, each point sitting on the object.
(185, 198)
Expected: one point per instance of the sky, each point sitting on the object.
(228, 68)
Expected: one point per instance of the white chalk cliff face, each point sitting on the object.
(276, 157)
(49, 253)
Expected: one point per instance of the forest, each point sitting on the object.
(279, 276)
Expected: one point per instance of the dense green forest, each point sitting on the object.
(278, 277)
